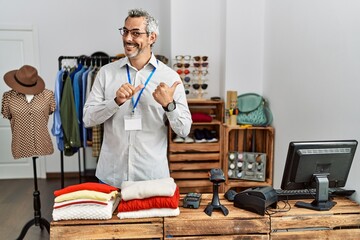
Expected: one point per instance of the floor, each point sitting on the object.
(17, 205)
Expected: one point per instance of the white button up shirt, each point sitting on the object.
(142, 154)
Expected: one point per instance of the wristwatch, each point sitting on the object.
(170, 107)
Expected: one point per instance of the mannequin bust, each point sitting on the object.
(28, 106)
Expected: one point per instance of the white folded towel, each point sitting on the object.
(147, 213)
(149, 188)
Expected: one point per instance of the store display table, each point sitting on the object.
(341, 222)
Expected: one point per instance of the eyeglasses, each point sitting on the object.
(199, 78)
(198, 58)
(135, 33)
(181, 65)
(202, 64)
(203, 86)
(200, 72)
(183, 57)
(186, 71)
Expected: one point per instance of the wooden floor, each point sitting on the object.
(16, 205)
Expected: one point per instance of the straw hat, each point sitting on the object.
(25, 80)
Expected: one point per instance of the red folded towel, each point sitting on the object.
(92, 186)
(152, 202)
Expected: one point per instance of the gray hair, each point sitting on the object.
(152, 25)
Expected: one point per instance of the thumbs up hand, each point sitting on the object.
(125, 92)
(164, 94)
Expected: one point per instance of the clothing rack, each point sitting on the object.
(98, 59)
(102, 60)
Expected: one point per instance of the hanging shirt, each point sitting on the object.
(135, 155)
(69, 120)
(56, 129)
(29, 122)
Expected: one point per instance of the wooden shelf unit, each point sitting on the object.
(248, 139)
(190, 162)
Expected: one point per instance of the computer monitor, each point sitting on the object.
(319, 165)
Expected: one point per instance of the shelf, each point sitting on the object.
(194, 147)
(190, 163)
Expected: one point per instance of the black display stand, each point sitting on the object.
(38, 220)
(215, 203)
(322, 201)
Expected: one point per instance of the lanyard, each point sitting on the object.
(141, 91)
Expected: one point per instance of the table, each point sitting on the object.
(341, 222)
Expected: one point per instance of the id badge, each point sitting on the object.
(132, 122)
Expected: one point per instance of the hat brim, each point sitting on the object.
(9, 79)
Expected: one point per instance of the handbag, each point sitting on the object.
(253, 110)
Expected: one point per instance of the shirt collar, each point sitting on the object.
(153, 61)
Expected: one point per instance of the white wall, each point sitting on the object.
(197, 29)
(244, 46)
(303, 55)
(312, 73)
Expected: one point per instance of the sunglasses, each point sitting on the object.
(201, 64)
(183, 57)
(182, 65)
(203, 86)
(186, 79)
(203, 58)
(187, 86)
(187, 91)
(199, 78)
(186, 71)
(200, 72)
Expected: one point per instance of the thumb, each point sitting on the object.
(139, 87)
(175, 85)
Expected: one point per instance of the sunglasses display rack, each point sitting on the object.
(192, 71)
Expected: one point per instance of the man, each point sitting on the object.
(134, 97)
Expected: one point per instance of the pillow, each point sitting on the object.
(152, 202)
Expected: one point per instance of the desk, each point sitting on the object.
(115, 228)
(341, 222)
(238, 224)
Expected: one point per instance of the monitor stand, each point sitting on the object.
(321, 202)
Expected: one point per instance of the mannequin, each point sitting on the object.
(28, 106)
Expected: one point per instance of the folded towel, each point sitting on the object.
(86, 211)
(79, 201)
(86, 194)
(154, 212)
(152, 202)
(148, 188)
(93, 186)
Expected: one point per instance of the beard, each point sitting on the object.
(135, 52)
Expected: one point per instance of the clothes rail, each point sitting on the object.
(84, 60)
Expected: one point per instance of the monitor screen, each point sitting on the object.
(309, 162)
